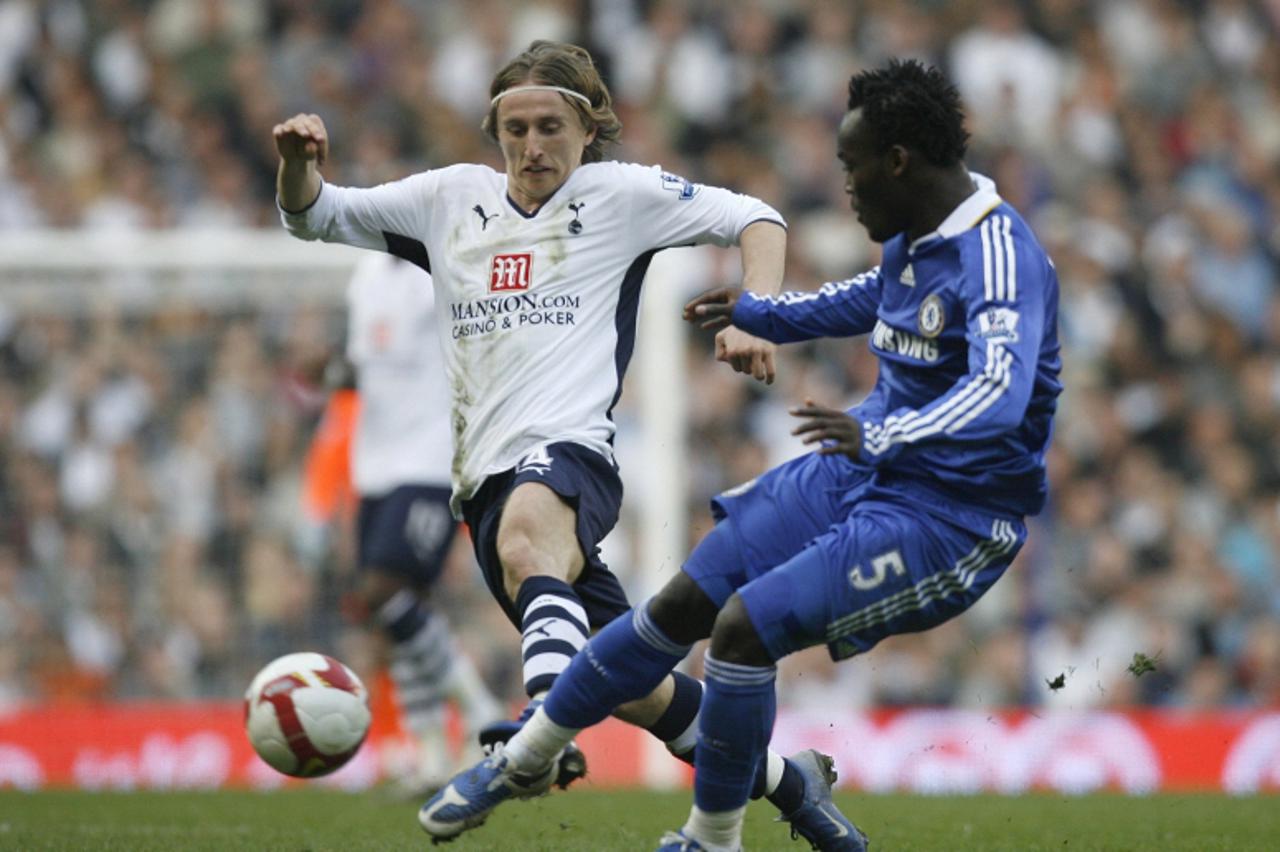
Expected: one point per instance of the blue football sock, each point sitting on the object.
(625, 661)
(738, 708)
(680, 720)
(789, 796)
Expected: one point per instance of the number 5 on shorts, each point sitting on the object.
(880, 566)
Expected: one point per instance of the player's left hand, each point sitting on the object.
(836, 430)
(747, 354)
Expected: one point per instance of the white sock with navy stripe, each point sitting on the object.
(422, 661)
(553, 628)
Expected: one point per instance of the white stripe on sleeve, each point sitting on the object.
(980, 394)
(1011, 261)
(985, 231)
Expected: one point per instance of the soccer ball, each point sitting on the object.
(306, 714)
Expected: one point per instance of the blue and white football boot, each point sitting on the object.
(572, 764)
(818, 820)
(471, 795)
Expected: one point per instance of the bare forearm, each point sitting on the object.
(302, 143)
(764, 252)
(764, 249)
(297, 184)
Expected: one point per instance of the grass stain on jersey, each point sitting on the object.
(460, 396)
(555, 243)
(557, 251)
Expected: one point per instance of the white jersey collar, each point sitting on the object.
(967, 214)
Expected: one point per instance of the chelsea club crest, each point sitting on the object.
(931, 317)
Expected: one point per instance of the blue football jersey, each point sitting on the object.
(964, 323)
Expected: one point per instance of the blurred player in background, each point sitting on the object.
(913, 504)
(537, 273)
(392, 397)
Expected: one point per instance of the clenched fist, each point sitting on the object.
(302, 138)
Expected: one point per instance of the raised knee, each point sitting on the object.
(683, 611)
(518, 556)
(537, 537)
(734, 638)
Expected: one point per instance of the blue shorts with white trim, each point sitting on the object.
(822, 553)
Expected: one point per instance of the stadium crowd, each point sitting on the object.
(151, 540)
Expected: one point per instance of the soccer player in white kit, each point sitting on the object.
(401, 457)
(537, 273)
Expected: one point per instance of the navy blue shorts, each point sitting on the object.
(585, 480)
(406, 533)
(822, 554)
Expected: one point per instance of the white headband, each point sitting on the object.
(541, 88)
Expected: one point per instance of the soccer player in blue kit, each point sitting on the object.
(910, 507)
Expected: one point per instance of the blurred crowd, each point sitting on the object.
(151, 542)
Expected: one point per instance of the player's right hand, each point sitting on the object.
(713, 310)
(746, 353)
(302, 138)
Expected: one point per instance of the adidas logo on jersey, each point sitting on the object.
(908, 276)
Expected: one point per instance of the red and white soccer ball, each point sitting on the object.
(306, 714)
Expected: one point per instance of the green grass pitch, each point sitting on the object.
(597, 821)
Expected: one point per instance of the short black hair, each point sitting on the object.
(913, 105)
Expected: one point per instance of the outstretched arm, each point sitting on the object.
(393, 217)
(303, 145)
(838, 309)
(764, 249)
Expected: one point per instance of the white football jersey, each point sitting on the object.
(537, 313)
(402, 432)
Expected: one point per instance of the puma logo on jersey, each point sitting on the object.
(484, 220)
